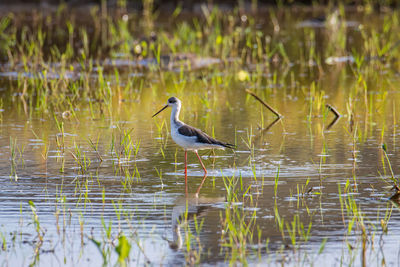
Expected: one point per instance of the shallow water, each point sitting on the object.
(142, 195)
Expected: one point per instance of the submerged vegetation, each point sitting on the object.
(308, 95)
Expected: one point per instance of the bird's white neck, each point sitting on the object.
(175, 114)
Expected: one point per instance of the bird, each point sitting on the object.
(190, 138)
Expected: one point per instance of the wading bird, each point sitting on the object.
(190, 138)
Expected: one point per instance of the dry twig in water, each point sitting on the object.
(265, 104)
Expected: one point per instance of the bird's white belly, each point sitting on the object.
(187, 142)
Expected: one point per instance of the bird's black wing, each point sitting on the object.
(202, 137)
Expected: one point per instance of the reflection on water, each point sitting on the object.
(186, 209)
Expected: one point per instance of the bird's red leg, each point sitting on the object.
(202, 165)
(186, 188)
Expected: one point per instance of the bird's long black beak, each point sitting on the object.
(159, 111)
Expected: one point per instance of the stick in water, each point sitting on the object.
(265, 104)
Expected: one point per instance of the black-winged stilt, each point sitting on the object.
(190, 138)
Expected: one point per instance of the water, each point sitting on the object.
(64, 188)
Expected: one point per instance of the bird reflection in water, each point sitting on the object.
(186, 209)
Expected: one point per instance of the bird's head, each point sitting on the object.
(172, 102)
